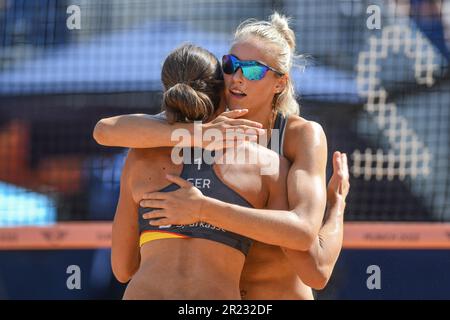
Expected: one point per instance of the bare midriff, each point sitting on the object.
(178, 269)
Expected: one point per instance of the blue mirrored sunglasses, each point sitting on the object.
(251, 69)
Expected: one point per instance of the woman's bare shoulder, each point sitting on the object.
(146, 159)
(298, 123)
(303, 134)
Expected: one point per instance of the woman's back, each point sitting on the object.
(201, 262)
(186, 269)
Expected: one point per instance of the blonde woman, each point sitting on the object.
(256, 77)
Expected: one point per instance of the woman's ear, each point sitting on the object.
(281, 84)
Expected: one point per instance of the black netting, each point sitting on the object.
(382, 95)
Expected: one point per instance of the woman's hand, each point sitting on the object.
(179, 207)
(338, 186)
(232, 130)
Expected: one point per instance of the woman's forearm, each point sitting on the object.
(276, 227)
(315, 265)
(140, 131)
(330, 237)
(125, 253)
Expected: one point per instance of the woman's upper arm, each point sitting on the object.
(125, 256)
(306, 187)
(278, 188)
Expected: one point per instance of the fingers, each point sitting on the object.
(338, 186)
(152, 204)
(155, 214)
(230, 144)
(340, 171)
(337, 162)
(234, 113)
(242, 132)
(179, 181)
(340, 165)
(159, 222)
(230, 118)
(231, 141)
(244, 123)
(345, 165)
(155, 196)
(346, 175)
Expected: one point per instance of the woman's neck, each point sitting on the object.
(263, 116)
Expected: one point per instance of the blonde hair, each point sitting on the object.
(277, 32)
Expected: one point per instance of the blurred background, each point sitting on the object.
(381, 93)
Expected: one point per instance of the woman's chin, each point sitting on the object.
(236, 106)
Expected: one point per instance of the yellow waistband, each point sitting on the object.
(148, 236)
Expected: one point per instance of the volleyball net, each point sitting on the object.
(377, 81)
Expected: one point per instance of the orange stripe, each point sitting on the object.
(396, 235)
(357, 235)
(63, 235)
(148, 236)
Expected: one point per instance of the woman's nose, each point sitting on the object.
(238, 76)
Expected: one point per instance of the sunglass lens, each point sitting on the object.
(254, 72)
(227, 64)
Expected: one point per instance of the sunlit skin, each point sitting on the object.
(259, 93)
(183, 268)
(268, 274)
(270, 271)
